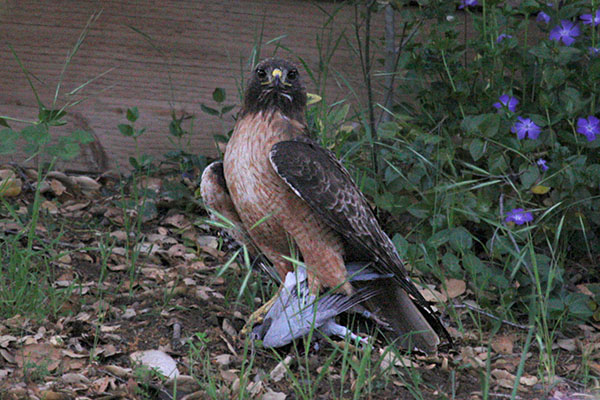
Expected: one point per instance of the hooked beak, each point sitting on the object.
(277, 77)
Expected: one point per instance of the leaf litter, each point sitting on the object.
(147, 316)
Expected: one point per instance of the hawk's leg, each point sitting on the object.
(258, 316)
(331, 328)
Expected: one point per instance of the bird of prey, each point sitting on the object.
(290, 196)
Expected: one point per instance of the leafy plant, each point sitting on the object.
(491, 155)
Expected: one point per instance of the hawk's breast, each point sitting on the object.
(256, 190)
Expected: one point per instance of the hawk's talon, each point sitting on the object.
(257, 316)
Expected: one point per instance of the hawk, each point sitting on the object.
(291, 197)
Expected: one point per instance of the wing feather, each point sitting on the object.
(317, 177)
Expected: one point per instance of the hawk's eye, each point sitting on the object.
(293, 74)
(261, 74)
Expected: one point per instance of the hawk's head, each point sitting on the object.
(275, 84)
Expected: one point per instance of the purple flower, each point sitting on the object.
(502, 36)
(543, 17)
(542, 163)
(566, 32)
(506, 101)
(467, 3)
(519, 216)
(594, 51)
(589, 18)
(589, 127)
(526, 127)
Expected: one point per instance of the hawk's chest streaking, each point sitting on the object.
(253, 183)
(277, 219)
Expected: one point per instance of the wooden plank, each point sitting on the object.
(202, 46)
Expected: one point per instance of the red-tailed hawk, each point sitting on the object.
(293, 198)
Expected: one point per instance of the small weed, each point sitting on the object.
(35, 372)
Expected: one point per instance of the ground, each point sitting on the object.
(132, 266)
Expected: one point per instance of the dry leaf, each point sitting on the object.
(50, 207)
(10, 185)
(224, 359)
(391, 359)
(76, 206)
(57, 187)
(254, 388)
(72, 378)
(595, 367)
(38, 354)
(178, 221)
(503, 344)
(100, 385)
(278, 372)
(5, 340)
(184, 383)
(502, 374)
(86, 183)
(431, 294)
(528, 380)
(117, 370)
(270, 395)
(567, 344)
(7, 356)
(455, 287)
(229, 375)
(52, 395)
(228, 328)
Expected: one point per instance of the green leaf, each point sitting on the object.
(7, 141)
(218, 95)
(452, 264)
(482, 124)
(82, 136)
(36, 134)
(209, 110)
(401, 244)
(226, 109)
(146, 160)
(567, 54)
(133, 114)
(51, 117)
(490, 124)
(134, 163)
(530, 176)
(66, 149)
(139, 132)
(439, 238)
(4, 123)
(175, 128)
(125, 129)
(497, 164)
(477, 149)
(541, 51)
(460, 239)
(474, 265)
(419, 211)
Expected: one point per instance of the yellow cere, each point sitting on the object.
(277, 73)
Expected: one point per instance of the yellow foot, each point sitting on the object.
(258, 316)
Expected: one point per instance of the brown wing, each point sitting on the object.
(317, 177)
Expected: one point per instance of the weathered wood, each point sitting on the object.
(202, 45)
(195, 47)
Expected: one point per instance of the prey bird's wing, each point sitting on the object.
(296, 312)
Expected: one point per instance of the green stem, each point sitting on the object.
(451, 81)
